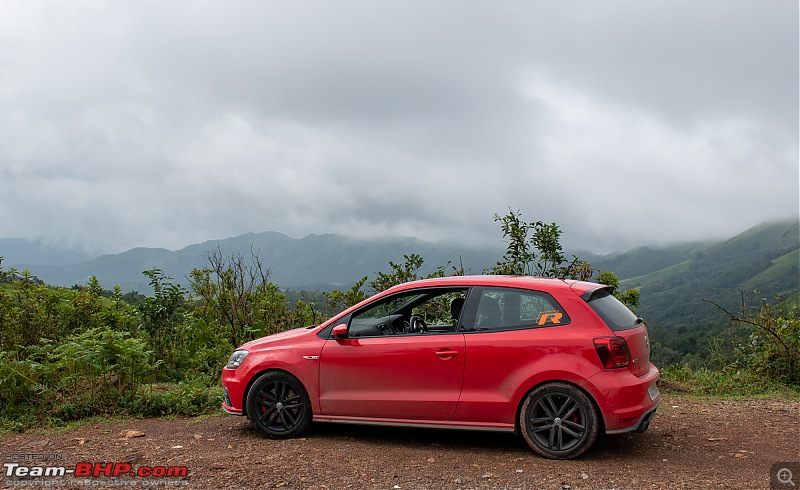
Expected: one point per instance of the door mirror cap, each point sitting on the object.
(339, 331)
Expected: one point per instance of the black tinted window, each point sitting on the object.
(616, 315)
(425, 311)
(510, 309)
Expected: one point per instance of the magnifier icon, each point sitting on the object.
(785, 477)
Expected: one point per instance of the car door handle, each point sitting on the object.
(446, 353)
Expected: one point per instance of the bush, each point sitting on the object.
(20, 385)
(99, 363)
(727, 382)
(183, 399)
(772, 347)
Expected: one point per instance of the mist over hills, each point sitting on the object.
(674, 280)
(21, 251)
(765, 258)
(312, 262)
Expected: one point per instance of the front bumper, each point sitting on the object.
(228, 406)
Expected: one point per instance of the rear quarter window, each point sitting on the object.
(611, 310)
(496, 309)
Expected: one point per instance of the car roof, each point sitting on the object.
(524, 282)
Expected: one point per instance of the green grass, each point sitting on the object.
(185, 399)
(722, 384)
(653, 277)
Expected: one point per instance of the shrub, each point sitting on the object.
(772, 348)
(183, 399)
(727, 382)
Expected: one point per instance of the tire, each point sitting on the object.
(559, 421)
(278, 405)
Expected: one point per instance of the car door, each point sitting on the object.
(507, 332)
(391, 374)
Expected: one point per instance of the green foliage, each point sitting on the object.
(162, 314)
(772, 348)
(534, 249)
(66, 354)
(236, 295)
(689, 345)
(20, 384)
(630, 297)
(29, 311)
(399, 273)
(185, 399)
(83, 374)
(90, 370)
(722, 383)
(341, 300)
(756, 355)
(409, 271)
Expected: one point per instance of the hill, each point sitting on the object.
(673, 280)
(764, 258)
(312, 262)
(40, 252)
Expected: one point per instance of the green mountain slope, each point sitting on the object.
(645, 260)
(763, 258)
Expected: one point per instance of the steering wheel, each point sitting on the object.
(417, 325)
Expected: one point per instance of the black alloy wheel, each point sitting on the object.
(278, 405)
(559, 421)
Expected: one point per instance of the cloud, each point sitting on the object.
(163, 124)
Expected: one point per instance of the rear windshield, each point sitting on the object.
(616, 315)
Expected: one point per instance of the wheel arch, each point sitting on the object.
(588, 393)
(258, 375)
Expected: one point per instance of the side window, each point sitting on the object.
(511, 309)
(418, 312)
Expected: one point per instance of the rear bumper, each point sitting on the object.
(628, 403)
(641, 425)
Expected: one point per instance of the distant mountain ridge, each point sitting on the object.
(674, 280)
(40, 252)
(314, 260)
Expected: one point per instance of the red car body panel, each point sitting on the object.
(285, 351)
(416, 377)
(474, 379)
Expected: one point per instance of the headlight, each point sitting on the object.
(236, 359)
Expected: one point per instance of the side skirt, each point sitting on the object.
(434, 424)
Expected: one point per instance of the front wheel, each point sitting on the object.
(559, 421)
(278, 405)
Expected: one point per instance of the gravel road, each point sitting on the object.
(692, 443)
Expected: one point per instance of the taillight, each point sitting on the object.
(613, 352)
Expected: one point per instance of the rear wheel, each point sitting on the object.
(278, 405)
(559, 421)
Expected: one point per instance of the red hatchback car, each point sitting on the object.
(558, 361)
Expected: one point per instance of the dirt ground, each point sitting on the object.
(691, 443)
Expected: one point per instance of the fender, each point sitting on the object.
(302, 363)
(499, 404)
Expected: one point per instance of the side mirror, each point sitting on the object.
(339, 331)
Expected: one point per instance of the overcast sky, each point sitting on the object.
(153, 123)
